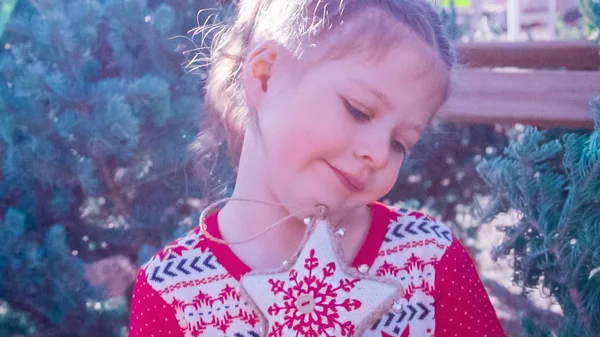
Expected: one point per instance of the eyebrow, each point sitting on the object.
(383, 98)
(380, 96)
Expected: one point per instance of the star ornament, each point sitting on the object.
(317, 295)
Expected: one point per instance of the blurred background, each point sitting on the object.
(99, 102)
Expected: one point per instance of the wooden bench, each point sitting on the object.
(512, 83)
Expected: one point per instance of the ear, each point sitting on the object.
(258, 71)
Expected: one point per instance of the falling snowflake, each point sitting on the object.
(310, 304)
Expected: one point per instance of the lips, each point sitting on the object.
(352, 183)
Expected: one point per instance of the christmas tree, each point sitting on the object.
(555, 186)
(553, 181)
(97, 110)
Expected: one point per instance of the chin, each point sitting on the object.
(333, 201)
(302, 197)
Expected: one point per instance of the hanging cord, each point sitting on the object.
(319, 211)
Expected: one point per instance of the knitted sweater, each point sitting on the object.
(189, 288)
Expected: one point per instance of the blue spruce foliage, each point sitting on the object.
(554, 183)
(555, 186)
(96, 114)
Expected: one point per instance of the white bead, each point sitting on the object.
(307, 220)
(340, 232)
(285, 263)
(397, 307)
(363, 268)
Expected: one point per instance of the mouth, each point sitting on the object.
(349, 181)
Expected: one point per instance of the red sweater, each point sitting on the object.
(189, 287)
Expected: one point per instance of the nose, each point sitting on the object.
(373, 149)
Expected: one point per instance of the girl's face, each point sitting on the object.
(335, 132)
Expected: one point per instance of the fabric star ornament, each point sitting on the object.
(318, 295)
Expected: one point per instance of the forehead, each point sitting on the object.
(401, 66)
(376, 42)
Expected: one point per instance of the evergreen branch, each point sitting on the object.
(554, 250)
(128, 188)
(591, 177)
(12, 28)
(551, 247)
(531, 260)
(129, 244)
(22, 303)
(113, 189)
(575, 296)
(582, 262)
(573, 291)
(504, 248)
(565, 213)
(572, 200)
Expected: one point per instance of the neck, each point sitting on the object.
(240, 220)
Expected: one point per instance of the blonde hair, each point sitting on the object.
(293, 24)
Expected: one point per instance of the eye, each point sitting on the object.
(398, 147)
(356, 113)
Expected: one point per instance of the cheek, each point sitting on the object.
(304, 125)
(291, 138)
(313, 128)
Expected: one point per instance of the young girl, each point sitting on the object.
(319, 102)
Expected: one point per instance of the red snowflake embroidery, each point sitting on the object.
(311, 304)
